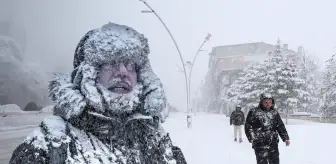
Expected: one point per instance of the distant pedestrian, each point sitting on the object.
(237, 118)
(189, 120)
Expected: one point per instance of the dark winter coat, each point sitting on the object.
(237, 118)
(262, 127)
(84, 141)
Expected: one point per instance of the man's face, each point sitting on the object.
(118, 76)
(267, 103)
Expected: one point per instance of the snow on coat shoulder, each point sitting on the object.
(57, 141)
(53, 142)
(52, 128)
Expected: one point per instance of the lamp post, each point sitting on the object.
(207, 38)
(151, 10)
(191, 66)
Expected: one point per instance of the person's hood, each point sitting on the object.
(75, 92)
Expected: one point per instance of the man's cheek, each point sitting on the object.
(133, 78)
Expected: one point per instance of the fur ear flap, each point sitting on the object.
(76, 78)
(154, 96)
(69, 102)
(88, 87)
(73, 92)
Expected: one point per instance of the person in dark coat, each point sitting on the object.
(237, 118)
(107, 110)
(262, 127)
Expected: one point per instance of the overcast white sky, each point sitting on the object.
(55, 27)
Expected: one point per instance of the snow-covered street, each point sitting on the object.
(9, 140)
(210, 141)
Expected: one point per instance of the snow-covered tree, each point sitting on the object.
(247, 88)
(8, 46)
(309, 67)
(19, 83)
(280, 75)
(329, 81)
(284, 82)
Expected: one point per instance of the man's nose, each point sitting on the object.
(122, 69)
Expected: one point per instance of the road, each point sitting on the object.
(9, 140)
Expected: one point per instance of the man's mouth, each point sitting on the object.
(121, 88)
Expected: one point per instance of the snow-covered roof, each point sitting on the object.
(301, 114)
(315, 115)
(244, 49)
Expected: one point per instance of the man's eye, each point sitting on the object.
(108, 67)
(130, 66)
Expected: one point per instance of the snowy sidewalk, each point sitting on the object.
(211, 141)
(21, 121)
(10, 128)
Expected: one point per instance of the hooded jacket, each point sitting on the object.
(237, 117)
(262, 127)
(92, 125)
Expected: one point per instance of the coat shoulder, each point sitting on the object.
(178, 155)
(35, 148)
(54, 127)
(27, 153)
(253, 110)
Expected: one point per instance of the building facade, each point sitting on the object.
(224, 65)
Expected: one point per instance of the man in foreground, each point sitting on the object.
(262, 127)
(108, 110)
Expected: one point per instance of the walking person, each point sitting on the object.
(262, 128)
(237, 118)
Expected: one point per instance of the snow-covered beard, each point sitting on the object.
(116, 103)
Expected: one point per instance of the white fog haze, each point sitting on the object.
(53, 28)
(39, 38)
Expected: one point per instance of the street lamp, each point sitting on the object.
(191, 66)
(207, 38)
(146, 11)
(151, 10)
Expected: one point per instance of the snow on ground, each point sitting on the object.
(10, 108)
(13, 121)
(210, 140)
(48, 109)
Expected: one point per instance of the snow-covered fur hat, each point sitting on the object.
(73, 93)
(110, 42)
(264, 96)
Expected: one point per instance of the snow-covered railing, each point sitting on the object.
(298, 114)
